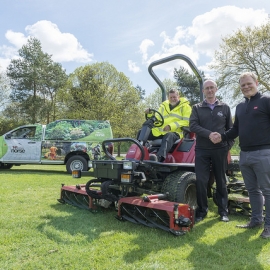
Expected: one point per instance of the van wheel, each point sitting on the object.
(6, 166)
(181, 187)
(76, 163)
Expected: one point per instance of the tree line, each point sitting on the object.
(35, 89)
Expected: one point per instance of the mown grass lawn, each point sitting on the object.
(37, 232)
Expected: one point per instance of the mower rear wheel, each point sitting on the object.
(76, 163)
(181, 187)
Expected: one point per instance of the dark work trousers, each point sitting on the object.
(203, 160)
(167, 142)
(255, 169)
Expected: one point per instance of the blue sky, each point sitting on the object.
(128, 34)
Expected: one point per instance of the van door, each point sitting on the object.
(23, 145)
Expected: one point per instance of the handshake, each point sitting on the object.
(215, 137)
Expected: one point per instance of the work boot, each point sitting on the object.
(265, 233)
(160, 158)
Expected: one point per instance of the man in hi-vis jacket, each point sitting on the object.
(176, 112)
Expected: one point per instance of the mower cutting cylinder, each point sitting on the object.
(77, 196)
(172, 217)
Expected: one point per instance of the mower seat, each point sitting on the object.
(158, 142)
(186, 132)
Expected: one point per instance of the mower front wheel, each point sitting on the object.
(181, 188)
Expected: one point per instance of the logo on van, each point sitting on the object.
(99, 134)
(16, 149)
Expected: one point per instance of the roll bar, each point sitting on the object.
(171, 58)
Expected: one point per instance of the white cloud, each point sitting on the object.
(145, 44)
(132, 66)
(181, 34)
(63, 47)
(15, 38)
(171, 46)
(203, 37)
(7, 53)
(209, 28)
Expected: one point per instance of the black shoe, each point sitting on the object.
(224, 218)
(266, 232)
(160, 158)
(198, 219)
(250, 225)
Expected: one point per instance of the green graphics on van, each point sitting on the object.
(54, 143)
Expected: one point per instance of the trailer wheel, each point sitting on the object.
(76, 163)
(181, 187)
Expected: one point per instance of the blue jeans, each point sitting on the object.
(255, 168)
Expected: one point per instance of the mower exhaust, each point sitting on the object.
(154, 212)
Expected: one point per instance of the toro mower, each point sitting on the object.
(143, 190)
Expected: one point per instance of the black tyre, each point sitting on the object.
(76, 163)
(6, 166)
(181, 187)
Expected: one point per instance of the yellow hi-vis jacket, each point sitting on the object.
(176, 118)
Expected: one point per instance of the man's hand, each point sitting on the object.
(147, 111)
(167, 128)
(215, 137)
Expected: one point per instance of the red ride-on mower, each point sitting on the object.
(145, 191)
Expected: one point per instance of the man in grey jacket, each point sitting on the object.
(208, 117)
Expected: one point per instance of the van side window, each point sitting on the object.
(24, 133)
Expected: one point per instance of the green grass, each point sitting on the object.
(37, 232)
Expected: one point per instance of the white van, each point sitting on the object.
(69, 142)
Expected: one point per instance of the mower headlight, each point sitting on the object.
(126, 178)
(127, 165)
(90, 164)
(76, 174)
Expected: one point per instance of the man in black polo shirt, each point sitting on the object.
(207, 119)
(252, 125)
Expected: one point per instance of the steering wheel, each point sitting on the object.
(158, 122)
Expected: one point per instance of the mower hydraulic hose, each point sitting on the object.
(155, 197)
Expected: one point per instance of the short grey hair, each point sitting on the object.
(173, 91)
(210, 80)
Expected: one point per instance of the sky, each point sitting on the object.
(129, 34)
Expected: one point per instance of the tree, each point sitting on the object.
(4, 90)
(9, 116)
(153, 100)
(99, 91)
(140, 91)
(35, 80)
(188, 84)
(245, 50)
